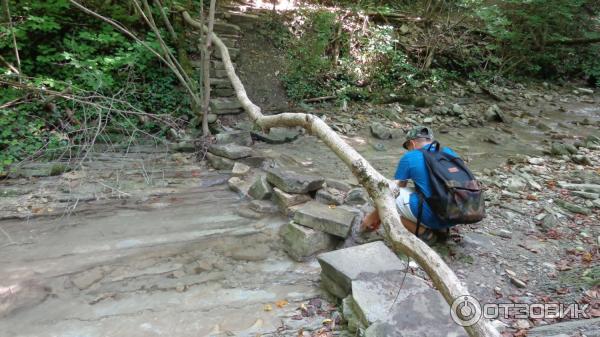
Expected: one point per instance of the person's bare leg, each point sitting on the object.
(411, 226)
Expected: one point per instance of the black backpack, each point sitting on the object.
(456, 196)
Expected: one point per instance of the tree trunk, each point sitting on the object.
(206, 67)
(379, 187)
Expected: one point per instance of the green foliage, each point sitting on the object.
(309, 66)
(61, 47)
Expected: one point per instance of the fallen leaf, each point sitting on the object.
(281, 303)
(267, 307)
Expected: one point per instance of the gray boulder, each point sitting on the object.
(293, 182)
(336, 221)
(230, 151)
(238, 137)
(219, 163)
(380, 131)
(345, 265)
(357, 196)
(301, 242)
(260, 188)
(584, 327)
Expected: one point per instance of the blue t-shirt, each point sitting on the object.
(412, 166)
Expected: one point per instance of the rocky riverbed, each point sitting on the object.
(147, 240)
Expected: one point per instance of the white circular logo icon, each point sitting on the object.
(465, 310)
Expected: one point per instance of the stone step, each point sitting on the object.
(233, 53)
(230, 151)
(345, 265)
(222, 92)
(333, 220)
(220, 83)
(238, 18)
(224, 104)
(230, 42)
(302, 242)
(294, 182)
(222, 27)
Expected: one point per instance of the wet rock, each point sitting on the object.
(330, 196)
(85, 279)
(260, 188)
(345, 265)
(333, 220)
(278, 135)
(380, 131)
(240, 137)
(263, 206)
(379, 301)
(301, 242)
(356, 196)
(572, 207)
(293, 182)
(585, 327)
(240, 169)
(286, 200)
(230, 151)
(219, 163)
(558, 149)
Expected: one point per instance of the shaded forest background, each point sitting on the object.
(70, 80)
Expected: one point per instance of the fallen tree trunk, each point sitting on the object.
(379, 188)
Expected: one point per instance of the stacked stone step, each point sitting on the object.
(223, 100)
(380, 299)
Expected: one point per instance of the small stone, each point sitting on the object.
(586, 91)
(178, 273)
(515, 184)
(180, 287)
(550, 221)
(586, 195)
(517, 282)
(457, 109)
(428, 120)
(238, 185)
(278, 135)
(240, 169)
(536, 161)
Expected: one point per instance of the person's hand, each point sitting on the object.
(371, 222)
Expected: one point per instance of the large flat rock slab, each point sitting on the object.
(405, 304)
(345, 265)
(293, 182)
(333, 220)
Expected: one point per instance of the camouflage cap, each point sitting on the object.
(416, 132)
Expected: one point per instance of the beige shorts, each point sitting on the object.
(403, 203)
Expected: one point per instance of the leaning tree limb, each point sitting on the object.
(378, 187)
